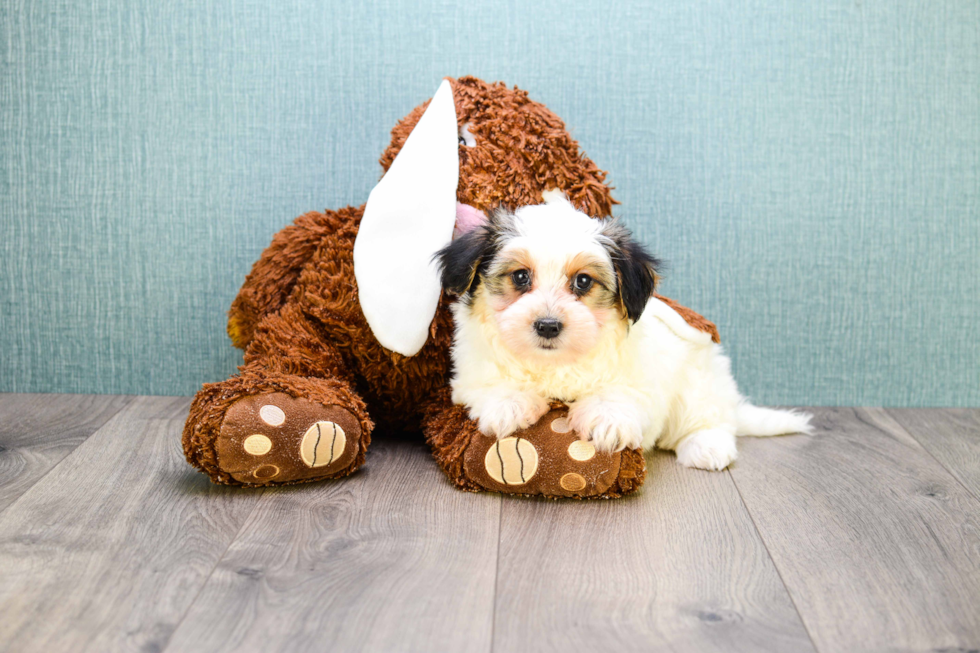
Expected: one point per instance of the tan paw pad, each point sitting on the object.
(581, 450)
(265, 472)
(272, 415)
(511, 461)
(572, 482)
(257, 445)
(322, 444)
(561, 425)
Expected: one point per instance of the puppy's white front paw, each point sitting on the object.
(711, 449)
(502, 414)
(611, 425)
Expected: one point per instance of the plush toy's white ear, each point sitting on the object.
(409, 217)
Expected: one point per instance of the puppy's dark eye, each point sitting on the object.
(466, 136)
(522, 278)
(583, 282)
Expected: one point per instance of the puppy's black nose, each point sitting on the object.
(547, 327)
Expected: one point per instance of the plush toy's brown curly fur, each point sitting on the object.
(299, 320)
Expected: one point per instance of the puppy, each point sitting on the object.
(556, 305)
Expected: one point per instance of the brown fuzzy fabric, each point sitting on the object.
(692, 318)
(523, 149)
(448, 431)
(268, 285)
(299, 320)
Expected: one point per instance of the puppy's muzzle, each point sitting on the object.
(547, 327)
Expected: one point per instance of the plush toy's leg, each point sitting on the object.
(290, 416)
(548, 459)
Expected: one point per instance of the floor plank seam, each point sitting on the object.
(924, 448)
(129, 400)
(193, 602)
(496, 573)
(779, 574)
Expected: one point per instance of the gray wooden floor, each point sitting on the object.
(865, 537)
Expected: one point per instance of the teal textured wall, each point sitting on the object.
(810, 170)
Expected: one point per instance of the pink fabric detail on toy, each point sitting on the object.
(467, 219)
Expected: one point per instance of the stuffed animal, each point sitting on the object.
(344, 324)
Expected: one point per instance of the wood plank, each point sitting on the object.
(391, 559)
(951, 435)
(876, 542)
(679, 567)
(37, 431)
(109, 549)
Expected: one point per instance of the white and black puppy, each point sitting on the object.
(556, 305)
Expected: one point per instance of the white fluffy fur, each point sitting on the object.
(658, 382)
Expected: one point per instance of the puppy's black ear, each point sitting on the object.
(636, 269)
(461, 259)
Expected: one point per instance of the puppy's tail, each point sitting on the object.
(753, 420)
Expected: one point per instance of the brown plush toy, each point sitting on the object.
(344, 325)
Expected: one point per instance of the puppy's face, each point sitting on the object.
(548, 279)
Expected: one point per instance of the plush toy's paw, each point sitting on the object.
(611, 425)
(711, 449)
(549, 459)
(501, 414)
(275, 438)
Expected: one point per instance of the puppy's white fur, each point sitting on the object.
(657, 382)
